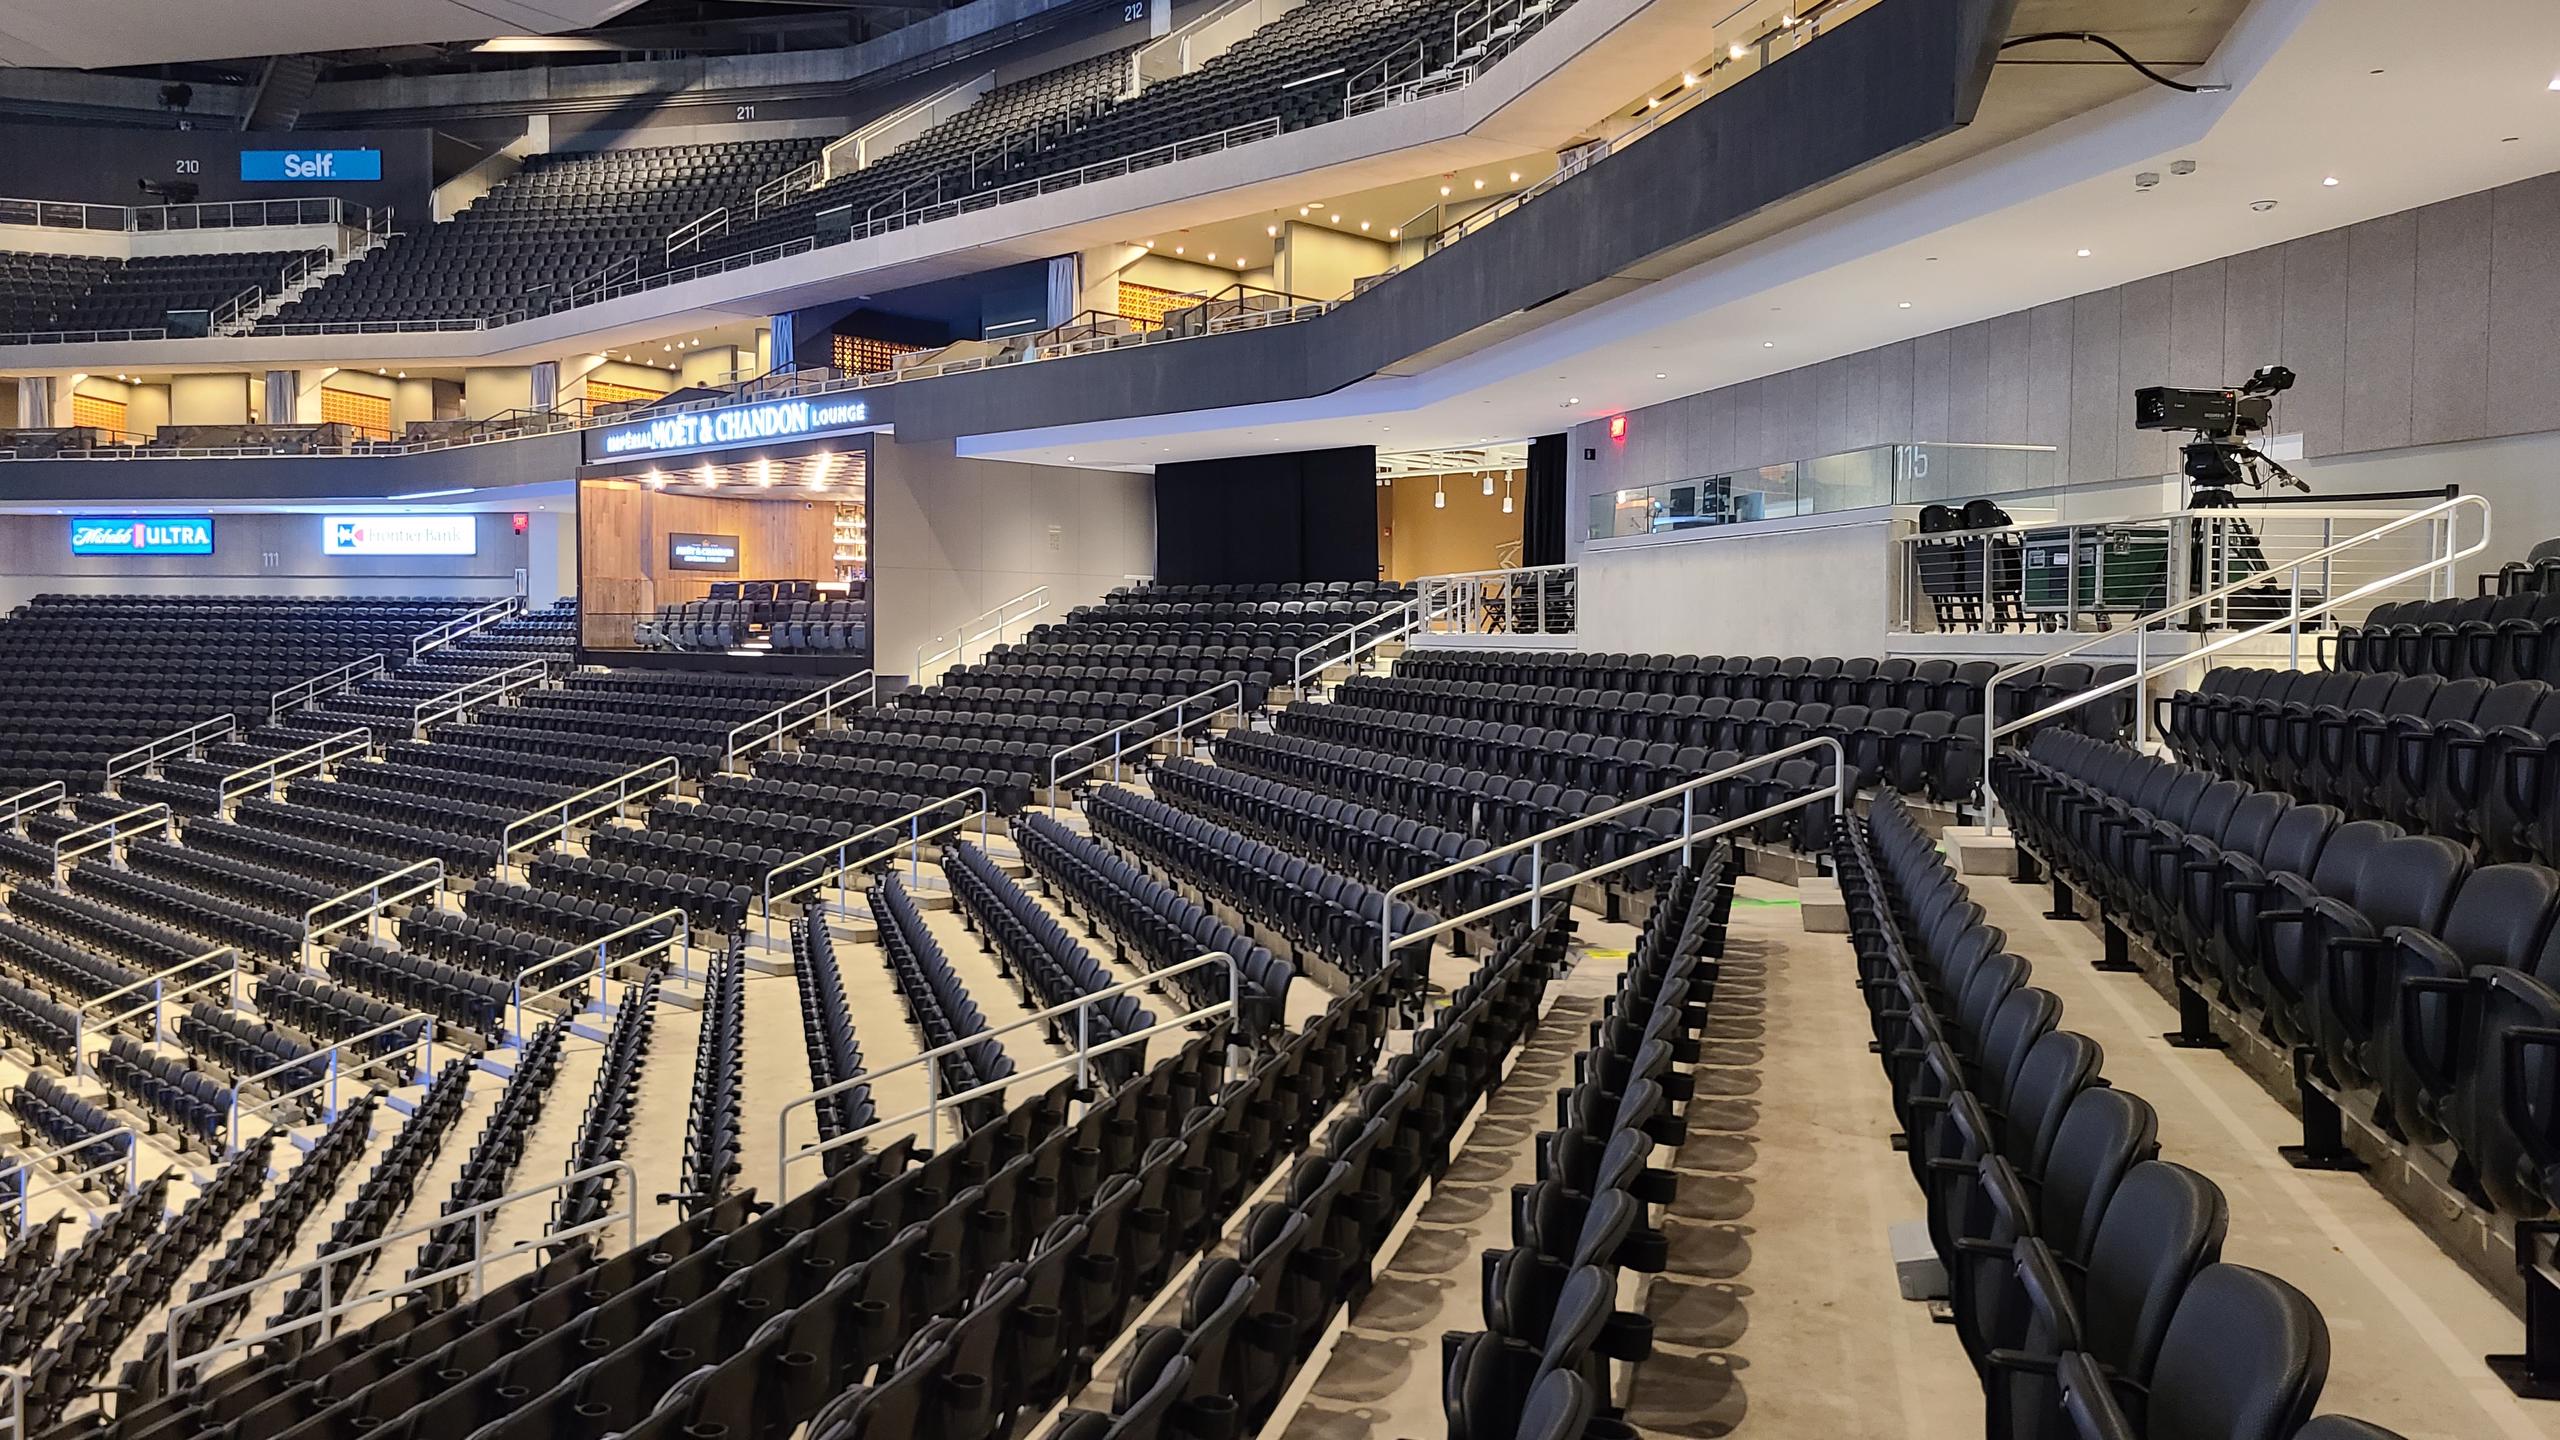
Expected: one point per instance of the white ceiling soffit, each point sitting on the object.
(2402, 117)
(92, 34)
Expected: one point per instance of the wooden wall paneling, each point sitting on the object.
(2382, 282)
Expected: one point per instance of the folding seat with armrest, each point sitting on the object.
(2244, 1357)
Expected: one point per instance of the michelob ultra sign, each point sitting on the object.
(141, 534)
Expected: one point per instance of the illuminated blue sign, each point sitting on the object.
(310, 164)
(735, 425)
(141, 535)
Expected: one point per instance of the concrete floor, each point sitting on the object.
(2407, 1324)
(1777, 1315)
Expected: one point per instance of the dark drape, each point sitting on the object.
(1268, 519)
(1542, 529)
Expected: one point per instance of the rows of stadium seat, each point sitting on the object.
(1542, 1367)
(386, 1192)
(30, 1250)
(2411, 983)
(82, 1349)
(2494, 637)
(938, 1005)
(1377, 847)
(253, 928)
(54, 293)
(495, 1154)
(824, 626)
(713, 1117)
(51, 1031)
(53, 963)
(930, 766)
(1311, 910)
(401, 842)
(2084, 1274)
(2460, 758)
(826, 1030)
(329, 1013)
(1246, 1323)
(562, 218)
(64, 1286)
(61, 1119)
(1143, 914)
(611, 1101)
(462, 998)
(712, 905)
(170, 1096)
(1042, 958)
(269, 1237)
(231, 1043)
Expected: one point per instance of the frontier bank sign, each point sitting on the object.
(762, 421)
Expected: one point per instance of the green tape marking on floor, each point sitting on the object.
(1756, 900)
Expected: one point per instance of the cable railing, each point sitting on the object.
(464, 699)
(425, 877)
(1184, 719)
(802, 712)
(143, 759)
(334, 1308)
(320, 687)
(271, 774)
(1345, 647)
(1838, 792)
(1080, 1061)
(157, 1007)
(837, 869)
(1528, 600)
(32, 1167)
(1005, 613)
(2448, 551)
(470, 622)
(34, 800)
(109, 835)
(671, 930)
(2049, 574)
(595, 802)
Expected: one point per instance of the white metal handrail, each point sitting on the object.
(141, 759)
(609, 798)
(1401, 621)
(798, 713)
(425, 877)
(693, 232)
(470, 695)
(31, 801)
(917, 834)
(1175, 731)
(936, 1102)
(335, 1058)
(496, 612)
(678, 937)
(477, 1267)
(1034, 600)
(130, 1160)
(2446, 514)
(110, 833)
(1685, 792)
(270, 774)
(156, 1007)
(345, 677)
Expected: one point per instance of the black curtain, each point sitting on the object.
(1268, 519)
(1542, 529)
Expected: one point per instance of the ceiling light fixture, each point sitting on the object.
(1439, 495)
(1364, 225)
(2555, 82)
(1506, 494)
(2328, 180)
(1688, 82)
(1213, 256)
(2084, 253)
(1768, 344)
(1444, 192)
(1479, 182)
(1271, 230)
(1239, 262)
(1395, 233)
(1515, 177)
(1487, 477)
(1177, 249)
(1902, 305)
(1337, 219)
